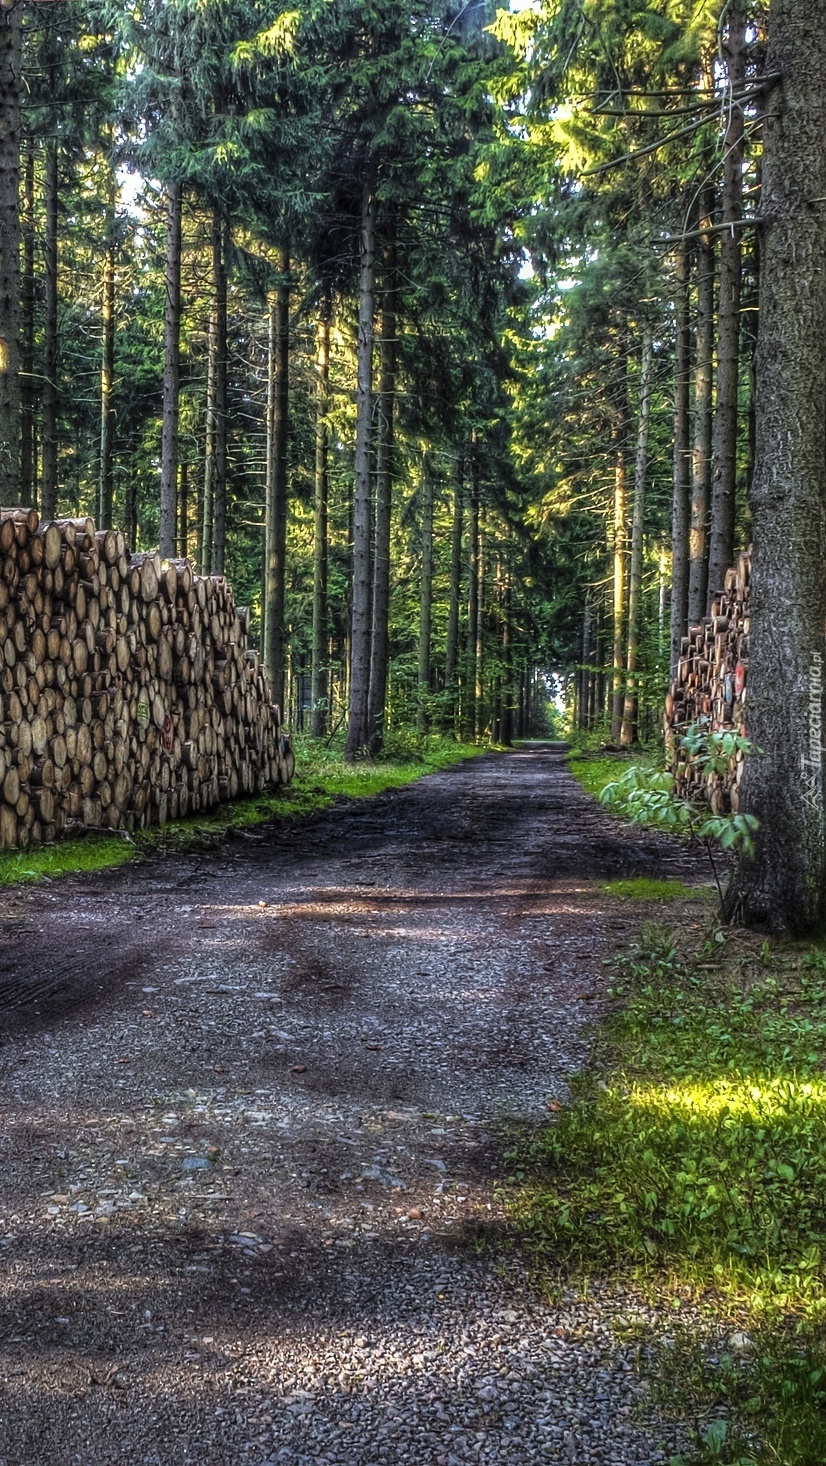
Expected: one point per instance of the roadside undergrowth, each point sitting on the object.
(690, 1165)
(594, 771)
(321, 778)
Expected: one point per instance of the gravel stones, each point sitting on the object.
(239, 1173)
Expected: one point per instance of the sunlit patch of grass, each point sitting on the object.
(643, 889)
(94, 852)
(594, 772)
(692, 1162)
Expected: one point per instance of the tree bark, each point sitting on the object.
(183, 514)
(28, 441)
(278, 426)
(468, 719)
(628, 731)
(171, 373)
(724, 483)
(385, 454)
(479, 647)
(619, 551)
(594, 704)
(583, 679)
(205, 552)
(107, 366)
(425, 597)
(681, 502)
(703, 389)
(783, 886)
(320, 550)
(507, 711)
(358, 733)
(220, 250)
(48, 495)
(10, 94)
(452, 652)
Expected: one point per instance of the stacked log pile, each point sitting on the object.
(711, 688)
(128, 694)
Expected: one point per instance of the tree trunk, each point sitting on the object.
(468, 719)
(183, 506)
(107, 365)
(131, 527)
(320, 557)
(582, 697)
(48, 496)
(724, 484)
(681, 503)
(784, 885)
(703, 386)
(220, 250)
(358, 732)
(10, 93)
(506, 715)
(594, 707)
(751, 316)
(425, 597)
(171, 373)
(619, 550)
(205, 552)
(380, 639)
(28, 441)
(278, 425)
(662, 596)
(452, 653)
(479, 647)
(628, 731)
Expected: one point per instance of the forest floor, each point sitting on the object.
(253, 1108)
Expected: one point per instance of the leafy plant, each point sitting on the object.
(648, 796)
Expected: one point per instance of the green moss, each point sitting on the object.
(643, 889)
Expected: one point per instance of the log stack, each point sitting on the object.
(711, 688)
(128, 693)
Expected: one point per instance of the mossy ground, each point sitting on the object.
(321, 777)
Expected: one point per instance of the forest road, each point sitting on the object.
(252, 1105)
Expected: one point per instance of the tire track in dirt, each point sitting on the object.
(249, 1105)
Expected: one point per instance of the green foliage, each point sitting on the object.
(646, 796)
(694, 1162)
(595, 771)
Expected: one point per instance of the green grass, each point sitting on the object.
(94, 852)
(595, 770)
(321, 777)
(643, 889)
(692, 1162)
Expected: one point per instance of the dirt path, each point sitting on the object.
(248, 1105)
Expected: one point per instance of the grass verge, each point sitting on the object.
(593, 770)
(691, 1164)
(321, 777)
(642, 888)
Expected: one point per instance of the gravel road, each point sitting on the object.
(252, 1106)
